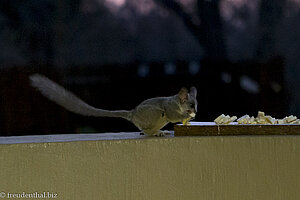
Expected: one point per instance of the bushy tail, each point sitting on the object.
(69, 101)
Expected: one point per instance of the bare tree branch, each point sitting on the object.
(270, 13)
(176, 8)
(212, 28)
(209, 32)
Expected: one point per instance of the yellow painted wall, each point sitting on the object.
(205, 168)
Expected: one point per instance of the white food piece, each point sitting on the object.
(192, 114)
(218, 119)
(230, 119)
(270, 119)
(225, 119)
(260, 114)
(222, 119)
(233, 118)
(280, 121)
(297, 121)
(244, 119)
(252, 120)
(260, 119)
(289, 119)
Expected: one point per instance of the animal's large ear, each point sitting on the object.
(193, 92)
(183, 95)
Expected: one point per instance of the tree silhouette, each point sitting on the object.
(270, 14)
(209, 32)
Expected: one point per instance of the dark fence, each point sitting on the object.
(223, 87)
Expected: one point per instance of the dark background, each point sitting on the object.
(242, 55)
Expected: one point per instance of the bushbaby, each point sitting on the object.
(149, 116)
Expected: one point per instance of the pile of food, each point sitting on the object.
(260, 119)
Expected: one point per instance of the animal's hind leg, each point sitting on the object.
(165, 132)
(151, 132)
(160, 134)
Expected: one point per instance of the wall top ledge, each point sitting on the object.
(71, 137)
(110, 136)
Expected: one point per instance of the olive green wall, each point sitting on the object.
(206, 168)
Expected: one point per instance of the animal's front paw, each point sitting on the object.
(186, 121)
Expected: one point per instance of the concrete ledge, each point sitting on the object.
(70, 137)
(210, 168)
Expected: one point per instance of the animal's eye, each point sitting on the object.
(192, 105)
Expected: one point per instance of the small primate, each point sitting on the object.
(149, 116)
